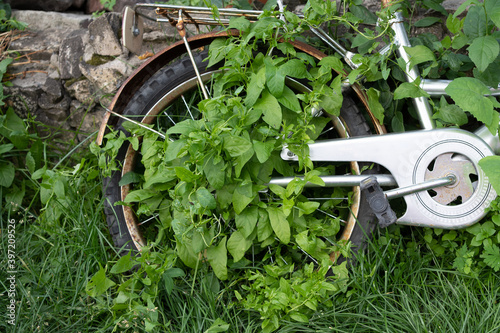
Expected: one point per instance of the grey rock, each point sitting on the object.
(52, 88)
(55, 116)
(107, 79)
(103, 35)
(40, 21)
(47, 102)
(39, 45)
(70, 52)
(24, 92)
(82, 92)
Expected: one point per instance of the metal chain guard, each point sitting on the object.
(408, 156)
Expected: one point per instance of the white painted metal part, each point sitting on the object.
(408, 156)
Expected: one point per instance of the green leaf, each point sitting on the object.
(333, 63)
(482, 231)
(300, 317)
(491, 256)
(173, 149)
(294, 68)
(129, 178)
(475, 22)
(375, 107)
(483, 51)
(289, 100)
(98, 284)
(185, 175)
(496, 219)
(463, 261)
(270, 108)
(219, 325)
(263, 150)
(436, 5)
(168, 278)
(237, 245)
(3, 65)
(420, 54)
(449, 236)
(409, 90)
(264, 228)
(427, 22)
(236, 145)
(255, 87)
(215, 172)
(139, 195)
(307, 207)
(184, 127)
(275, 80)
(205, 198)
(217, 257)
(451, 113)
(491, 167)
(7, 174)
(6, 148)
(161, 175)
(469, 94)
(240, 23)
(14, 129)
(242, 196)
(364, 14)
(280, 225)
(247, 220)
(124, 264)
(332, 98)
(493, 9)
(453, 24)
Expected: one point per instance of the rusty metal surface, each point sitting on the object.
(150, 67)
(128, 213)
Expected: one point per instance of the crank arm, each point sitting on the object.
(408, 157)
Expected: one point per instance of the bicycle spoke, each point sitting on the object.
(187, 107)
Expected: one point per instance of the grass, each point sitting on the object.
(390, 290)
(394, 287)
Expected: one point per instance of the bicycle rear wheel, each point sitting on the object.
(171, 96)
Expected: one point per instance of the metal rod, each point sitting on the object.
(329, 41)
(421, 104)
(135, 122)
(341, 180)
(182, 32)
(427, 185)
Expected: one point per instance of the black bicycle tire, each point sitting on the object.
(165, 80)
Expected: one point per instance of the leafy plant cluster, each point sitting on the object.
(206, 182)
(8, 23)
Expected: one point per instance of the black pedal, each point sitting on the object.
(378, 202)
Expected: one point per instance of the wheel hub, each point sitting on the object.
(461, 168)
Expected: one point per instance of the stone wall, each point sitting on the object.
(67, 63)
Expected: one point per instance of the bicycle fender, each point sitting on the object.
(155, 63)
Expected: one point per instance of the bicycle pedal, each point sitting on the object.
(378, 202)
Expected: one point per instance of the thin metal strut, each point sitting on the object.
(182, 32)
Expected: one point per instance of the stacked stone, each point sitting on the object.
(71, 62)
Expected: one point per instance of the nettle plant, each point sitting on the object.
(207, 181)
